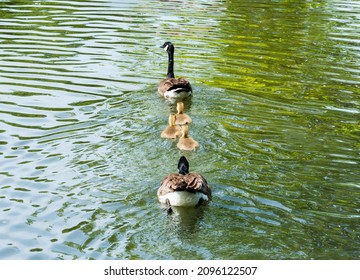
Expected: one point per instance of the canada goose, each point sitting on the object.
(172, 87)
(172, 131)
(184, 188)
(181, 117)
(185, 141)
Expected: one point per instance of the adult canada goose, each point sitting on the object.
(185, 141)
(172, 87)
(172, 131)
(184, 188)
(181, 117)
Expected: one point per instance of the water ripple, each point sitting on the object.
(275, 110)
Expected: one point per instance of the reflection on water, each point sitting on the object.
(275, 109)
(184, 221)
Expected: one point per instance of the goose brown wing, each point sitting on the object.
(183, 83)
(195, 182)
(191, 182)
(171, 183)
(173, 84)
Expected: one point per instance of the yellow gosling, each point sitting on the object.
(185, 141)
(181, 117)
(172, 131)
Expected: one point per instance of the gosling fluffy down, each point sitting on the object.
(172, 131)
(186, 142)
(181, 117)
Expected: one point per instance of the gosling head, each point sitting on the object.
(180, 107)
(172, 119)
(185, 130)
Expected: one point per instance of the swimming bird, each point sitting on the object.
(185, 141)
(172, 131)
(184, 188)
(171, 87)
(181, 117)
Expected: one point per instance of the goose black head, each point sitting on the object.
(183, 166)
(168, 47)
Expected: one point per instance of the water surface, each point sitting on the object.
(275, 110)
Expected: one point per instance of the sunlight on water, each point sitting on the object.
(275, 110)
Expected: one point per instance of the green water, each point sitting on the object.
(276, 111)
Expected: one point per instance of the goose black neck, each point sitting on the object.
(183, 166)
(170, 73)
